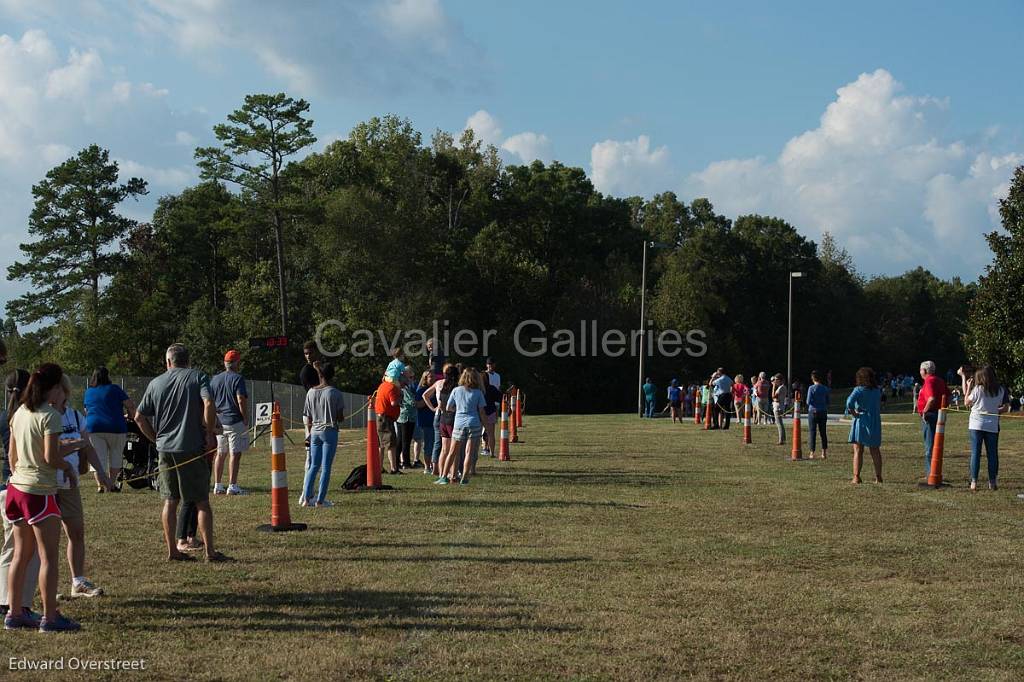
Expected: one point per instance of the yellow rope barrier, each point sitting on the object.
(172, 468)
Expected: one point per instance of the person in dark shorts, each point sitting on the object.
(177, 413)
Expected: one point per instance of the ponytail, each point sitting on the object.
(40, 383)
(15, 384)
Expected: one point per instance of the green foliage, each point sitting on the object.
(996, 331)
(255, 143)
(75, 222)
(384, 231)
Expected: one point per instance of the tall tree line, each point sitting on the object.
(387, 231)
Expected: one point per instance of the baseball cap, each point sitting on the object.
(232, 356)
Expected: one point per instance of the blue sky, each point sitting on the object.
(896, 126)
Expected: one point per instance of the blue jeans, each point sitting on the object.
(322, 447)
(648, 407)
(435, 452)
(928, 432)
(991, 441)
(428, 442)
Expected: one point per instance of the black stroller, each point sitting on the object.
(140, 460)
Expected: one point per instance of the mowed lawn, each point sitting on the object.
(609, 548)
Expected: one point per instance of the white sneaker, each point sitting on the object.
(85, 589)
(235, 490)
(219, 489)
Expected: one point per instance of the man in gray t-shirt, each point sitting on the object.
(177, 413)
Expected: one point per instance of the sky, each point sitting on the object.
(894, 126)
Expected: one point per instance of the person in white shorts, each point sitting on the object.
(231, 399)
(106, 405)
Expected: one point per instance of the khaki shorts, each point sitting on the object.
(234, 440)
(110, 448)
(385, 432)
(70, 502)
(190, 482)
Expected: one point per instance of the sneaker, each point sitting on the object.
(442, 481)
(58, 624)
(233, 489)
(464, 481)
(993, 485)
(325, 503)
(85, 588)
(12, 622)
(219, 489)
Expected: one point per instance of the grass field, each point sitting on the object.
(609, 548)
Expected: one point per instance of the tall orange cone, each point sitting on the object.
(707, 413)
(935, 475)
(373, 466)
(746, 420)
(797, 453)
(503, 455)
(513, 402)
(520, 407)
(696, 406)
(280, 516)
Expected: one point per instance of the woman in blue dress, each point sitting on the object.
(865, 406)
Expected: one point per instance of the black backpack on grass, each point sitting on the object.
(356, 479)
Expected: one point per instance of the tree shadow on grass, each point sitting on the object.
(530, 504)
(621, 479)
(510, 560)
(339, 610)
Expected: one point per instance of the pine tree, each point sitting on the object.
(75, 222)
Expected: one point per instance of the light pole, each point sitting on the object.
(789, 338)
(643, 322)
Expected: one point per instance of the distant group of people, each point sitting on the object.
(440, 421)
(771, 399)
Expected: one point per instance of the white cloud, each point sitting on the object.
(75, 79)
(629, 167)
(167, 179)
(316, 47)
(185, 138)
(485, 127)
(529, 146)
(56, 102)
(877, 174)
(525, 146)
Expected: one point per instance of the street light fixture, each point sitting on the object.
(643, 320)
(789, 339)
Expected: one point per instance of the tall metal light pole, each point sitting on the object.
(789, 338)
(640, 344)
(643, 322)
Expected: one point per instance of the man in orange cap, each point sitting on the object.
(231, 399)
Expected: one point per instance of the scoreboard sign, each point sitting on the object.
(268, 342)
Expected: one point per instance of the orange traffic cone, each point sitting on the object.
(373, 466)
(797, 453)
(935, 475)
(503, 455)
(519, 408)
(707, 416)
(696, 406)
(746, 420)
(280, 516)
